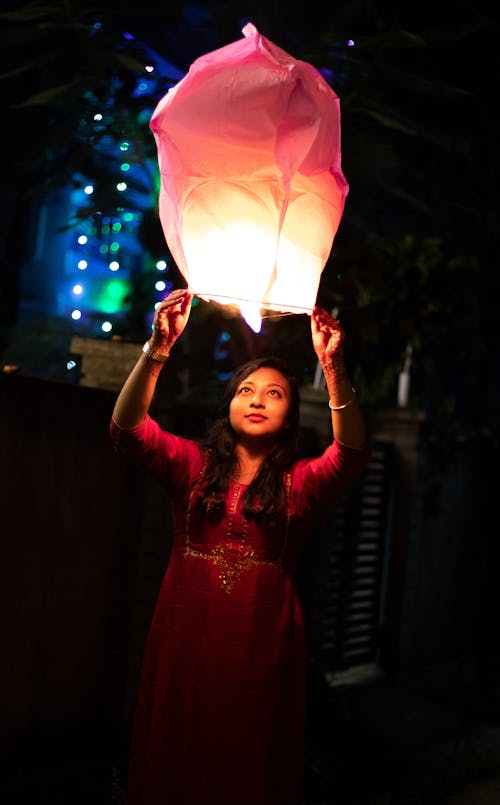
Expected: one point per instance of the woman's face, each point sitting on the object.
(260, 406)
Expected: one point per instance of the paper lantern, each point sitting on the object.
(252, 190)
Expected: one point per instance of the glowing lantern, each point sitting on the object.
(252, 190)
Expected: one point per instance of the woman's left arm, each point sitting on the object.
(347, 418)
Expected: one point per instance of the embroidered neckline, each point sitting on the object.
(232, 564)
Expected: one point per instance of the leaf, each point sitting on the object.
(47, 97)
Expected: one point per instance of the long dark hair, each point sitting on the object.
(264, 500)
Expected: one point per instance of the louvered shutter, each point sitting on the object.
(347, 574)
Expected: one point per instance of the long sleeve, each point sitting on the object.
(319, 483)
(171, 460)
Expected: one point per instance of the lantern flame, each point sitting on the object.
(251, 314)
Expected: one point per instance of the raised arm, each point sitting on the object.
(135, 398)
(328, 341)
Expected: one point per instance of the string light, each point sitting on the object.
(107, 234)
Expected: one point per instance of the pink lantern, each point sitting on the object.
(252, 190)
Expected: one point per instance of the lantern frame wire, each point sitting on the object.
(234, 303)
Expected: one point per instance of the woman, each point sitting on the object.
(220, 715)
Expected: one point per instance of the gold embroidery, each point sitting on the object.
(231, 567)
(223, 554)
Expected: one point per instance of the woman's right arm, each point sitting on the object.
(135, 398)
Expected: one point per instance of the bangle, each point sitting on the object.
(149, 352)
(340, 407)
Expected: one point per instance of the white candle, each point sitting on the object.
(404, 379)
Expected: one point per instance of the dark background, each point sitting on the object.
(82, 531)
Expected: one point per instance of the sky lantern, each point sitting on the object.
(252, 190)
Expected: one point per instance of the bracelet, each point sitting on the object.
(340, 407)
(149, 352)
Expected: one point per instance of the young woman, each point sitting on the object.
(221, 705)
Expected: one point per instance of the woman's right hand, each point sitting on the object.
(171, 317)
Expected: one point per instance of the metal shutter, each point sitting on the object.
(348, 572)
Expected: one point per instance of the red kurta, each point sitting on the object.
(221, 705)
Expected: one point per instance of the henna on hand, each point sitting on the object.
(170, 319)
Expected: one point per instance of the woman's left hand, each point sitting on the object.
(327, 336)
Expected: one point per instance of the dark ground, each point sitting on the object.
(394, 744)
(378, 743)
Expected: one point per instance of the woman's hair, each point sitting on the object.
(264, 499)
